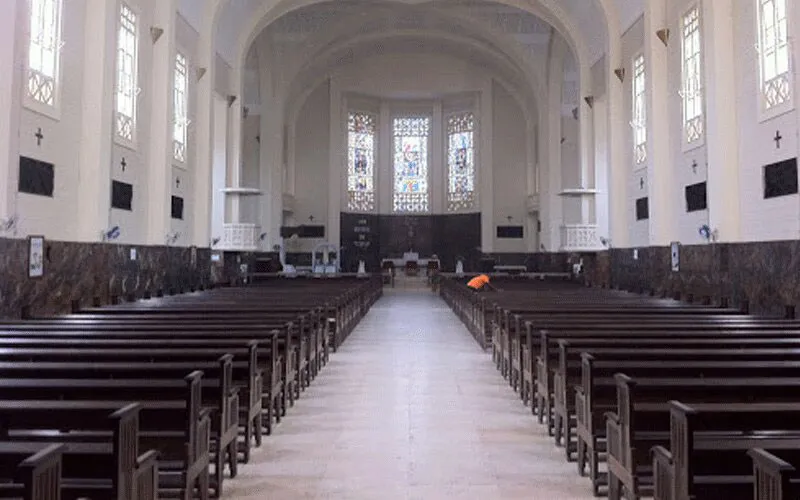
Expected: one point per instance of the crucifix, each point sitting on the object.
(39, 136)
(123, 163)
(411, 224)
(778, 137)
(641, 182)
(311, 218)
(178, 182)
(694, 166)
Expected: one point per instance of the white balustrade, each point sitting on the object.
(241, 237)
(580, 238)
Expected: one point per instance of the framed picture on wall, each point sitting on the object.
(35, 256)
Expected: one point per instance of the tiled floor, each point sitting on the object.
(409, 408)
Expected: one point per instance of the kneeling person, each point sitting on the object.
(481, 283)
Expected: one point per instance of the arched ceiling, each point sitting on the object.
(587, 16)
(312, 41)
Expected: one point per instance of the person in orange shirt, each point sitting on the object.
(480, 283)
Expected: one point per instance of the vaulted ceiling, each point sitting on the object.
(586, 15)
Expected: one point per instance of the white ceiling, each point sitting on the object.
(585, 14)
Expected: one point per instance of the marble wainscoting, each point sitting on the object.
(95, 271)
(760, 275)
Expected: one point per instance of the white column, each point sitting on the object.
(438, 171)
(619, 216)
(551, 201)
(271, 154)
(601, 177)
(586, 144)
(659, 168)
(97, 125)
(338, 159)
(485, 168)
(235, 145)
(531, 233)
(159, 168)
(722, 120)
(204, 136)
(12, 37)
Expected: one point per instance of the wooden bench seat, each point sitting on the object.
(774, 477)
(33, 474)
(103, 464)
(642, 419)
(179, 429)
(707, 454)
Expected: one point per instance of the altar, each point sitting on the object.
(411, 262)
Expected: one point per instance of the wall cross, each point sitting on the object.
(39, 136)
(123, 163)
(778, 137)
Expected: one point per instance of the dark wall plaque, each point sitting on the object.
(177, 207)
(121, 195)
(511, 232)
(36, 177)
(642, 209)
(696, 197)
(780, 179)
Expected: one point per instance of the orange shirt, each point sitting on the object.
(478, 281)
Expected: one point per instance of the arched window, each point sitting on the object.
(44, 50)
(411, 136)
(180, 111)
(361, 162)
(460, 162)
(692, 91)
(774, 57)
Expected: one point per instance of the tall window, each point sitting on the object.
(361, 162)
(127, 89)
(180, 115)
(692, 91)
(639, 122)
(773, 42)
(43, 52)
(460, 162)
(411, 164)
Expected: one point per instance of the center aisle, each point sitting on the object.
(409, 408)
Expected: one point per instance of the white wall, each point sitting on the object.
(776, 218)
(632, 44)
(57, 217)
(52, 217)
(509, 158)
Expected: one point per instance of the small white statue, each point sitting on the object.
(460, 268)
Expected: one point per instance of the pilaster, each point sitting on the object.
(159, 168)
(659, 168)
(722, 120)
(97, 125)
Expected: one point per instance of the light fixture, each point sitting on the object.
(663, 35)
(155, 33)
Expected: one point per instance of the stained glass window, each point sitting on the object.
(361, 162)
(180, 115)
(692, 92)
(460, 162)
(411, 164)
(43, 52)
(127, 64)
(639, 122)
(773, 44)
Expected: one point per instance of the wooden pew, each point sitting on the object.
(36, 477)
(708, 443)
(100, 460)
(180, 430)
(774, 478)
(642, 419)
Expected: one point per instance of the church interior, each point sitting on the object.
(399, 249)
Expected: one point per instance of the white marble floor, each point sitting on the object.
(409, 408)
